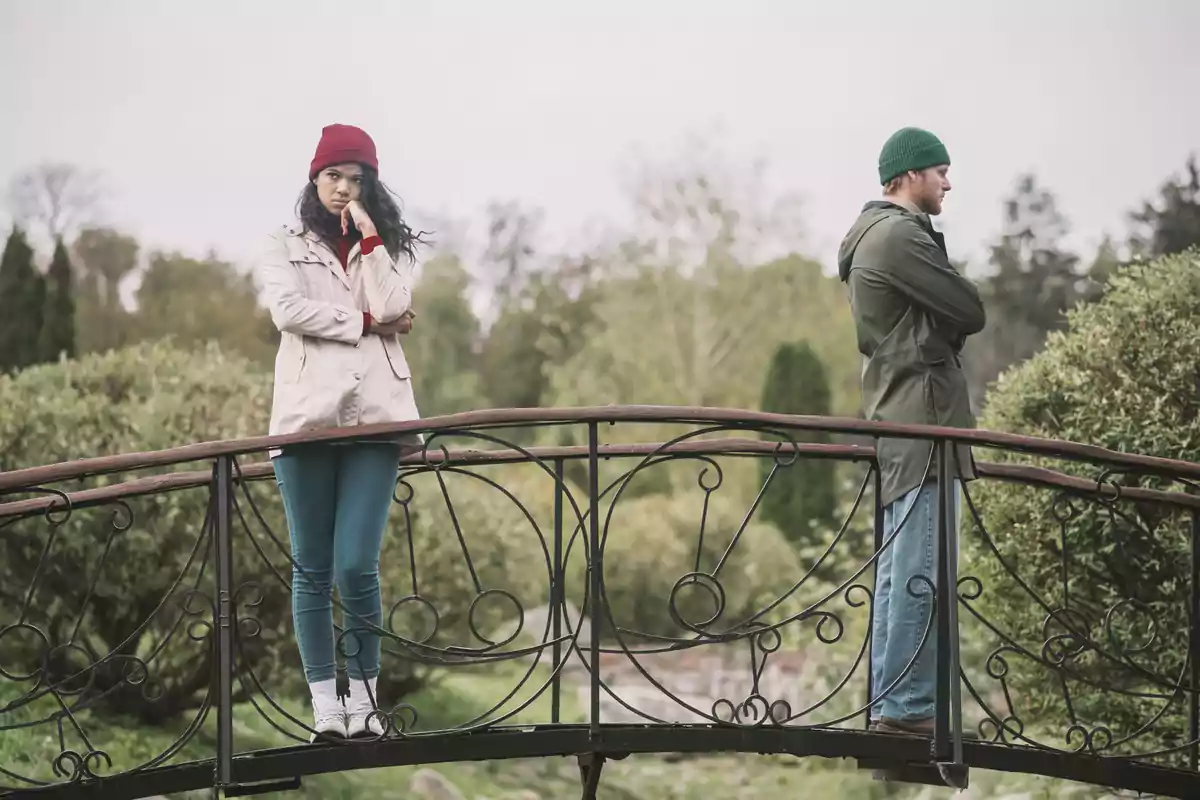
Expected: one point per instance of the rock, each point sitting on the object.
(429, 784)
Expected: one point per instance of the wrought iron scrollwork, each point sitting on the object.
(504, 571)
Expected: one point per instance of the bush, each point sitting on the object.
(651, 545)
(156, 396)
(505, 550)
(122, 575)
(1126, 376)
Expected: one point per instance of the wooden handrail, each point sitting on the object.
(261, 470)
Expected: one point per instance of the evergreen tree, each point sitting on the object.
(1034, 282)
(801, 500)
(22, 296)
(58, 326)
(1173, 224)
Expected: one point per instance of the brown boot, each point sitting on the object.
(913, 727)
(917, 727)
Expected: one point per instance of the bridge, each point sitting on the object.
(155, 587)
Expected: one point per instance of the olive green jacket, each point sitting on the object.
(912, 314)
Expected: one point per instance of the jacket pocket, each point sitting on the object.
(936, 353)
(947, 397)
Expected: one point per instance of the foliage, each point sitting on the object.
(1171, 225)
(651, 542)
(1034, 282)
(802, 497)
(441, 347)
(543, 325)
(692, 306)
(106, 258)
(146, 398)
(200, 301)
(57, 337)
(1123, 377)
(662, 337)
(22, 295)
(506, 552)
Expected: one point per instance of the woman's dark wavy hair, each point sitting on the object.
(382, 208)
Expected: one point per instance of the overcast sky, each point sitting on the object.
(204, 115)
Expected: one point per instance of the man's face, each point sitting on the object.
(929, 187)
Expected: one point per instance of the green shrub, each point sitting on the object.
(1126, 376)
(156, 396)
(114, 582)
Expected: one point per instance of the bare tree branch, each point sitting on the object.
(55, 198)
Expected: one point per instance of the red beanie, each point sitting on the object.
(340, 144)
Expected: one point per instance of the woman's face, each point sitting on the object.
(338, 185)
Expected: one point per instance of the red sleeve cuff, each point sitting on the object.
(370, 243)
(366, 323)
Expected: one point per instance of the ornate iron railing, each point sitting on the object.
(1069, 645)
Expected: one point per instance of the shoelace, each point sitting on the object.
(331, 717)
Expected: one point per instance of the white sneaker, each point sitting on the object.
(329, 715)
(360, 722)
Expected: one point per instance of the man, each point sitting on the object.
(912, 314)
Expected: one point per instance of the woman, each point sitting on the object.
(338, 283)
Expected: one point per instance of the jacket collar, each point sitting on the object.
(922, 218)
(320, 250)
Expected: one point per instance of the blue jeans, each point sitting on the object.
(337, 498)
(900, 619)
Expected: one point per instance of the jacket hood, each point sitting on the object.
(872, 213)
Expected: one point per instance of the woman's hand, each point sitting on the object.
(402, 325)
(354, 211)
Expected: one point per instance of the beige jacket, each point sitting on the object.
(327, 373)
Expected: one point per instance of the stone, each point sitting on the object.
(429, 784)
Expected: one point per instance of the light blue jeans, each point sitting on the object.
(900, 619)
(337, 499)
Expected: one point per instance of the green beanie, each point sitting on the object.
(910, 149)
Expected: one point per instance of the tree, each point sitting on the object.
(1033, 284)
(22, 298)
(541, 306)
(663, 337)
(441, 347)
(58, 326)
(541, 326)
(1173, 224)
(1124, 377)
(1104, 265)
(513, 234)
(54, 197)
(802, 497)
(105, 259)
(200, 301)
(692, 306)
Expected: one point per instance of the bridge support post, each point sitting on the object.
(595, 576)
(222, 494)
(947, 739)
(556, 595)
(590, 767)
(1194, 649)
